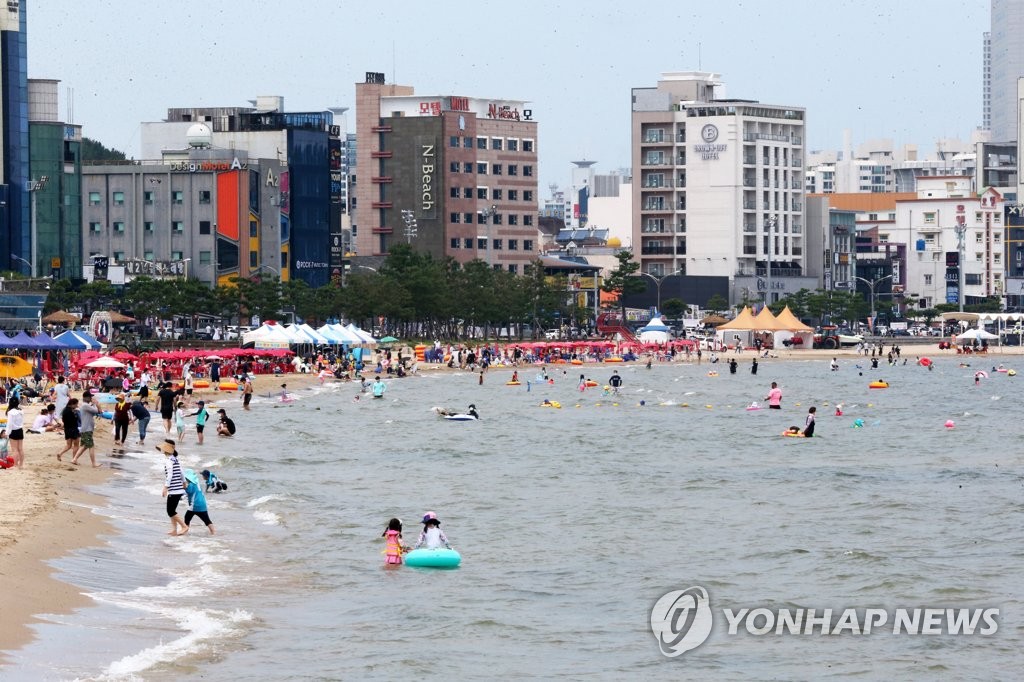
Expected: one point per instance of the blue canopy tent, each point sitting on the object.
(45, 342)
(7, 342)
(78, 341)
(24, 341)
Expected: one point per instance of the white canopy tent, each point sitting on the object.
(267, 336)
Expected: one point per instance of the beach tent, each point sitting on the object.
(332, 337)
(791, 328)
(340, 334)
(367, 339)
(977, 335)
(739, 331)
(655, 331)
(24, 341)
(267, 336)
(78, 341)
(316, 337)
(45, 342)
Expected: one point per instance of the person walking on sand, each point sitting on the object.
(774, 397)
(174, 485)
(140, 413)
(87, 417)
(179, 420)
(16, 431)
(61, 394)
(196, 503)
(122, 419)
(72, 434)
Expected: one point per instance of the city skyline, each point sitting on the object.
(127, 63)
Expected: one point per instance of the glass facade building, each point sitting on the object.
(14, 209)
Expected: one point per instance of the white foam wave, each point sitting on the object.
(199, 626)
(263, 500)
(267, 518)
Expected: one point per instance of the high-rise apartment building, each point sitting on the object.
(718, 188)
(14, 150)
(450, 175)
(1005, 58)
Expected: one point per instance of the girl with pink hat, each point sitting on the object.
(432, 534)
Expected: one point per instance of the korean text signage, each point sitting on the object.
(426, 164)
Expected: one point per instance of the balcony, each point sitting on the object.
(654, 229)
(652, 139)
(381, 180)
(749, 205)
(657, 184)
(380, 129)
(382, 204)
(681, 160)
(798, 206)
(681, 205)
(383, 230)
(385, 154)
(749, 159)
(663, 250)
(655, 161)
(749, 182)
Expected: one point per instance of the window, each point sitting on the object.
(481, 143)
(453, 141)
(497, 218)
(513, 244)
(119, 256)
(979, 256)
(176, 255)
(513, 195)
(204, 227)
(496, 194)
(997, 258)
(481, 193)
(119, 226)
(204, 196)
(178, 197)
(467, 243)
(481, 244)
(972, 278)
(977, 216)
(453, 167)
(467, 193)
(254, 228)
(528, 171)
(148, 226)
(527, 145)
(467, 167)
(513, 169)
(997, 238)
(467, 218)
(467, 142)
(528, 220)
(455, 242)
(147, 255)
(929, 217)
(527, 244)
(927, 280)
(205, 257)
(497, 143)
(977, 238)
(997, 218)
(481, 169)
(148, 198)
(94, 198)
(118, 199)
(453, 192)
(513, 219)
(454, 217)
(527, 195)
(497, 244)
(94, 228)
(513, 269)
(496, 169)
(253, 259)
(512, 144)
(177, 226)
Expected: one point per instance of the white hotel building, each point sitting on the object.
(718, 188)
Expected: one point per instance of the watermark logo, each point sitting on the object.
(681, 620)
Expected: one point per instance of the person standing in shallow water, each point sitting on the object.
(753, 366)
(774, 397)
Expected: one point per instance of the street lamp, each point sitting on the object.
(486, 215)
(961, 232)
(34, 186)
(267, 267)
(770, 223)
(17, 257)
(658, 281)
(871, 286)
(410, 225)
(367, 267)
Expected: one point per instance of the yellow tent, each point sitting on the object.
(766, 322)
(745, 320)
(789, 322)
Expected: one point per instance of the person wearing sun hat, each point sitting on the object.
(196, 502)
(174, 485)
(432, 534)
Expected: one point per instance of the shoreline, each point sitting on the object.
(47, 505)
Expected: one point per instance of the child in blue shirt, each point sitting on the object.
(196, 502)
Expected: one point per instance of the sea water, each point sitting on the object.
(572, 522)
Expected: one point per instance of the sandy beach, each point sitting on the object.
(46, 506)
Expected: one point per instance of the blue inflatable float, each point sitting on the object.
(105, 398)
(107, 415)
(433, 558)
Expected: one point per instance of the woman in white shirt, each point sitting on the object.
(16, 431)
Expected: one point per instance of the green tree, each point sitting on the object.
(97, 295)
(62, 296)
(93, 150)
(717, 304)
(622, 280)
(674, 308)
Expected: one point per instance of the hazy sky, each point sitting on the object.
(909, 70)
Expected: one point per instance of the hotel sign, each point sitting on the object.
(709, 151)
(504, 112)
(427, 165)
(208, 166)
